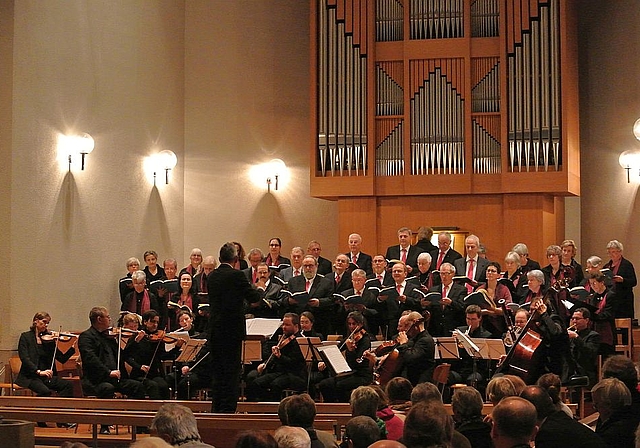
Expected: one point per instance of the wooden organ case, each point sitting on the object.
(446, 113)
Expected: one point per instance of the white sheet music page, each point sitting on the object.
(262, 327)
(333, 356)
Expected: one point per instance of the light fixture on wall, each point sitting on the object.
(274, 170)
(165, 160)
(630, 160)
(72, 145)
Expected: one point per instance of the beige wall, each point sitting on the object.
(224, 84)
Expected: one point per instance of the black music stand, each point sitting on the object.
(308, 348)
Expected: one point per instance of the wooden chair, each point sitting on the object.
(14, 369)
(441, 375)
(623, 333)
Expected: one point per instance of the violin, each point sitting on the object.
(282, 342)
(56, 336)
(125, 333)
(161, 336)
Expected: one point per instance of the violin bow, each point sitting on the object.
(55, 350)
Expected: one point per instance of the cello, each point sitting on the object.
(524, 356)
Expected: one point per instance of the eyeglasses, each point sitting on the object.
(491, 271)
(274, 245)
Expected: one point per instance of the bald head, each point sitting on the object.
(387, 444)
(514, 422)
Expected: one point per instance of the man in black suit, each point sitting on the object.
(444, 254)
(404, 252)
(380, 276)
(358, 258)
(320, 291)
(255, 257)
(296, 265)
(228, 290)
(464, 370)
(449, 312)
(473, 266)
(270, 293)
(324, 266)
(556, 428)
(99, 352)
(342, 274)
(405, 297)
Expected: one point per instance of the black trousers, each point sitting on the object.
(226, 368)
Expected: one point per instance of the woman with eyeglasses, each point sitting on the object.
(274, 258)
(495, 291)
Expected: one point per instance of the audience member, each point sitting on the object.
(428, 424)
(292, 437)
(177, 425)
(256, 439)
(360, 432)
(393, 424)
(466, 404)
(514, 423)
(300, 411)
(616, 425)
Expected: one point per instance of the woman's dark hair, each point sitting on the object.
(256, 439)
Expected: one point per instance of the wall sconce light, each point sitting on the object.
(630, 160)
(274, 170)
(71, 145)
(165, 160)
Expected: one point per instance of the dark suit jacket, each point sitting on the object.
(28, 352)
(324, 266)
(560, 430)
(248, 273)
(481, 269)
(321, 289)
(387, 280)
(345, 281)
(391, 309)
(364, 262)
(228, 290)
(99, 355)
(449, 257)
(393, 253)
(444, 321)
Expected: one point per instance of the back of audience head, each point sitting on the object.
(623, 368)
(387, 444)
(514, 422)
(383, 399)
(361, 431)
(610, 395)
(175, 423)
(399, 390)
(256, 439)
(428, 424)
(292, 437)
(425, 392)
(504, 386)
(466, 404)
(552, 384)
(364, 401)
(540, 399)
(297, 410)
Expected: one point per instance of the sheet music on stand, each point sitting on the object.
(183, 335)
(332, 356)
(190, 350)
(490, 348)
(262, 327)
(446, 348)
(472, 349)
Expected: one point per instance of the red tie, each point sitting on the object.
(403, 257)
(307, 286)
(470, 275)
(399, 288)
(440, 258)
(444, 291)
(379, 277)
(338, 277)
(255, 275)
(354, 260)
(296, 273)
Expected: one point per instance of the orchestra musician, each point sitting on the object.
(284, 366)
(416, 349)
(464, 371)
(338, 389)
(585, 344)
(37, 349)
(100, 356)
(519, 322)
(145, 357)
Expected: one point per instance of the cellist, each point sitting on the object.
(338, 389)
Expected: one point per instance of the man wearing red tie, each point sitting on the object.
(356, 257)
(380, 274)
(404, 252)
(473, 266)
(405, 297)
(255, 257)
(296, 265)
(444, 254)
(449, 313)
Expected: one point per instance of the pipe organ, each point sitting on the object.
(451, 90)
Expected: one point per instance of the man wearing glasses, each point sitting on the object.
(585, 344)
(102, 376)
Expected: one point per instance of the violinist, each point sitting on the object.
(338, 389)
(145, 357)
(37, 350)
(284, 366)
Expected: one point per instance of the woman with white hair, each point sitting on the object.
(624, 279)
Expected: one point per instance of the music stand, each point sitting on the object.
(332, 356)
(308, 348)
(446, 348)
(190, 350)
